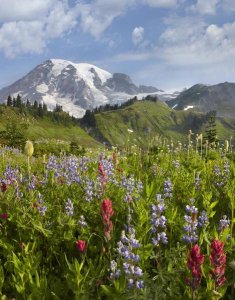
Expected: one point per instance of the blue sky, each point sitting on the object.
(170, 44)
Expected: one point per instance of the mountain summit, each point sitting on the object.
(75, 86)
(204, 98)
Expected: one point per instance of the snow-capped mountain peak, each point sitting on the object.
(84, 70)
(75, 86)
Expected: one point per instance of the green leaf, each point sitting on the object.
(224, 235)
(213, 204)
(108, 291)
(1, 277)
(211, 215)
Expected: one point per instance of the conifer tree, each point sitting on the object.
(9, 101)
(18, 101)
(40, 110)
(28, 103)
(44, 106)
(35, 105)
(211, 133)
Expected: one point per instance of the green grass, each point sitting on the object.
(150, 121)
(45, 129)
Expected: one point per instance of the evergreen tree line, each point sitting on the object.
(40, 110)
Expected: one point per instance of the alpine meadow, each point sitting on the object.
(117, 152)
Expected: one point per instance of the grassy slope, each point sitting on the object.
(148, 120)
(44, 129)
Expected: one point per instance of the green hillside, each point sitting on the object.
(45, 130)
(140, 123)
(150, 120)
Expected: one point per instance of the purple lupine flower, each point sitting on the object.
(158, 221)
(69, 209)
(115, 272)
(130, 282)
(42, 210)
(161, 236)
(218, 180)
(40, 201)
(11, 174)
(132, 188)
(191, 225)
(168, 188)
(82, 222)
(139, 284)
(126, 250)
(40, 207)
(202, 219)
(88, 189)
(224, 223)
(66, 169)
(176, 164)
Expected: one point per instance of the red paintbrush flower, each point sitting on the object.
(106, 208)
(103, 176)
(107, 212)
(4, 216)
(218, 260)
(81, 245)
(194, 263)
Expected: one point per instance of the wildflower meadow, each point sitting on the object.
(118, 224)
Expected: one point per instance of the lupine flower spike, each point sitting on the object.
(190, 227)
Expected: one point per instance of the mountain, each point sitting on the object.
(204, 98)
(75, 86)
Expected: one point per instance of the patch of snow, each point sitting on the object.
(42, 88)
(170, 96)
(188, 107)
(66, 104)
(175, 106)
(14, 95)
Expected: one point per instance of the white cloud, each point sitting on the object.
(22, 37)
(60, 20)
(15, 10)
(34, 24)
(98, 16)
(191, 42)
(207, 7)
(161, 3)
(53, 18)
(138, 35)
(229, 5)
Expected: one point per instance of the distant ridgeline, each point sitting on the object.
(129, 102)
(89, 118)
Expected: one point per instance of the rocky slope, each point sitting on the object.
(203, 98)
